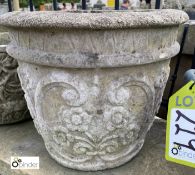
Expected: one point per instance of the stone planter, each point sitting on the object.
(93, 81)
(12, 103)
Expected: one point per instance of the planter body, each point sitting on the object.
(93, 82)
(12, 103)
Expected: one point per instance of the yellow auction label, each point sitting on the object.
(180, 132)
(110, 3)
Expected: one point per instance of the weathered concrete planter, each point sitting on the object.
(93, 81)
(12, 103)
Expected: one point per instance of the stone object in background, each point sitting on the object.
(190, 38)
(185, 63)
(175, 4)
(190, 12)
(189, 45)
(12, 103)
(171, 4)
(93, 81)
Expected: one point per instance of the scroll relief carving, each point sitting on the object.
(86, 130)
(12, 104)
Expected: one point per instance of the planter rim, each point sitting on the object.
(94, 19)
(75, 60)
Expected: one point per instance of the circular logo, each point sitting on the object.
(15, 164)
(174, 151)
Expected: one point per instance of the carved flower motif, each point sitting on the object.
(75, 118)
(116, 118)
(61, 136)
